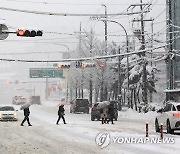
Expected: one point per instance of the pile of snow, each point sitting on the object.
(132, 114)
(148, 107)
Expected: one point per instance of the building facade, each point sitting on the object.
(173, 41)
(173, 64)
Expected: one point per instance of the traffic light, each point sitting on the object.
(63, 66)
(84, 65)
(29, 33)
(87, 65)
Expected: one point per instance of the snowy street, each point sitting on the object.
(78, 136)
(68, 67)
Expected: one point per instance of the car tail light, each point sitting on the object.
(177, 115)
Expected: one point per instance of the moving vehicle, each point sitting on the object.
(95, 111)
(169, 116)
(79, 105)
(8, 113)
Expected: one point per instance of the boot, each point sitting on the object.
(102, 121)
(30, 125)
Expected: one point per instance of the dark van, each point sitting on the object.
(79, 105)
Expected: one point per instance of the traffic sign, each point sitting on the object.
(78, 64)
(46, 73)
(101, 63)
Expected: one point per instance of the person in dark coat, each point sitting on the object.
(26, 116)
(61, 114)
(111, 113)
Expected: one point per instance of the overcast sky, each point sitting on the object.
(69, 24)
(66, 26)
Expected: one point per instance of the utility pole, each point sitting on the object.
(78, 88)
(171, 67)
(119, 95)
(144, 55)
(119, 65)
(144, 78)
(90, 81)
(152, 37)
(152, 40)
(81, 92)
(105, 28)
(104, 86)
(143, 47)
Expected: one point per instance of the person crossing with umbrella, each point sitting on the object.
(103, 107)
(25, 107)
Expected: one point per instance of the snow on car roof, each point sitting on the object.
(173, 102)
(6, 105)
(172, 90)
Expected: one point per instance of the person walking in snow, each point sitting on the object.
(61, 114)
(26, 116)
(111, 113)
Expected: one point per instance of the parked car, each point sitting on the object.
(79, 105)
(19, 100)
(169, 116)
(95, 111)
(35, 100)
(8, 113)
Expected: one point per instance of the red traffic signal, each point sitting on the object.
(29, 33)
(87, 65)
(84, 65)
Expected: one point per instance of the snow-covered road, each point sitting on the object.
(78, 136)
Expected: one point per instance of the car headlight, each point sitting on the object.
(15, 114)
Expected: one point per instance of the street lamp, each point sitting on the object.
(64, 46)
(127, 50)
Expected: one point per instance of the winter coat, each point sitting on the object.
(26, 112)
(111, 110)
(61, 111)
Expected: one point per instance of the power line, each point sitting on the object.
(64, 14)
(60, 3)
(26, 53)
(82, 59)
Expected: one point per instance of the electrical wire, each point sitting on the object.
(81, 59)
(62, 14)
(60, 3)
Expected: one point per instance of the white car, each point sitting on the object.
(8, 113)
(169, 116)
